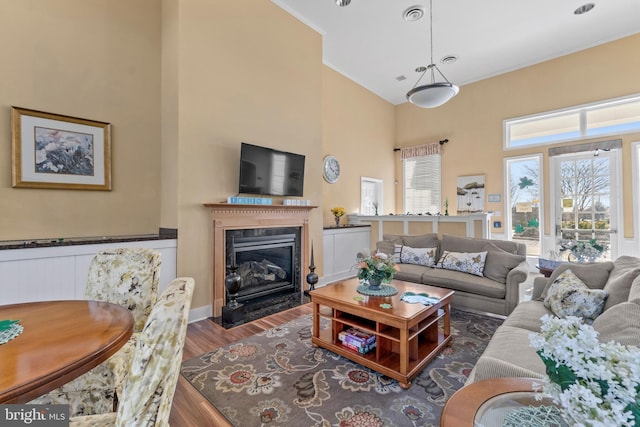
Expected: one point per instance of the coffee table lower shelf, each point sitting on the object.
(387, 362)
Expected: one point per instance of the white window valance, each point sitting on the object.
(420, 151)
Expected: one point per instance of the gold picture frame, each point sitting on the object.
(56, 151)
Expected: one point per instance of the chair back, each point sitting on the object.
(128, 277)
(153, 375)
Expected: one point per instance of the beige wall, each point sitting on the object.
(472, 121)
(96, 60)
(247, 71)
(185, 83)
(359, 129)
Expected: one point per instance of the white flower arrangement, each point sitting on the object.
(596, 384)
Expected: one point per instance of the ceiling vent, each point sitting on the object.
(414, 13)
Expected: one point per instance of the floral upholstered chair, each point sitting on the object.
(153, 375)
(128, 277)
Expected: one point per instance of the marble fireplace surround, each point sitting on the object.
(226, 216)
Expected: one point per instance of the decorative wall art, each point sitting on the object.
(470, 193)
(55, 151)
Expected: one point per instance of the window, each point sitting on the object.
(422, 184)
(616, 116)
(371, 196)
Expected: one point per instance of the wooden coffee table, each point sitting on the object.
(408, 336)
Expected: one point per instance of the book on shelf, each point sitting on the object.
(356, 336)
(360, 349)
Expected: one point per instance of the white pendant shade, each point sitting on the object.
(436, 93)
(432, 95)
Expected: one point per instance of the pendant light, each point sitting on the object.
(435, 93)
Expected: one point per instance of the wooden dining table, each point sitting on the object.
(61, 340)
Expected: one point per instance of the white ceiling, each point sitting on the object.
(370, 42)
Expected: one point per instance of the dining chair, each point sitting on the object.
(128, 277)
(153, 375)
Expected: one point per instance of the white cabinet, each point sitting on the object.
(60, 273)
(340, 247)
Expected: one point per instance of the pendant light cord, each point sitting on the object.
(433, 76)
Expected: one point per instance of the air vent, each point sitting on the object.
(449, 59)
(584, 8)
(414, 13)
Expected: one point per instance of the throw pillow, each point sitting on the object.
(466, 262)
(419, 256)
(593, 275)
(499, 263)
(569, 296)
(385, 247)
(619, 287)
(621, 324)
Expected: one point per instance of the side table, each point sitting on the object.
(462, 408)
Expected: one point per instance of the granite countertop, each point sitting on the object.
(71, 241)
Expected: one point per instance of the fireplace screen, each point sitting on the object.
(265, 263)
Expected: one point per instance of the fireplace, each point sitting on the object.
(267, 259)
(225, 217)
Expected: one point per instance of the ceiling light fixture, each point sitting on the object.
(343, 3)
(436, 93)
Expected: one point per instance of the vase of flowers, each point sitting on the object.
(376, 269)
(594, 383)
(338, 212)
(581, 250)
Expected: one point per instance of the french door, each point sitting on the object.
(585, 191)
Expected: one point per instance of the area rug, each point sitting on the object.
(277, 377)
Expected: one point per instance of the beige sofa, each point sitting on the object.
(495, 291)
(509, 353)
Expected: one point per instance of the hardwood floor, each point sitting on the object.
(189, 408)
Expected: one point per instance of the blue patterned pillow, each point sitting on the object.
(466, 262)
(419, 256)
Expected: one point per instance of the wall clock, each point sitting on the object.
(331, 169)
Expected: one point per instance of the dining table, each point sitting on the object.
(60, 340)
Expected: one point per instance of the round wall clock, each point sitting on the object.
(331, 169)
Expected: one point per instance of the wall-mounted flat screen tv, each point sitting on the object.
(266, 171)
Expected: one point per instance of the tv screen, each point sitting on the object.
(270, 172)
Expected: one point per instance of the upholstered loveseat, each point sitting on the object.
(509, 353)
(485, 274)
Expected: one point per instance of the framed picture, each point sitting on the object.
(470, 192)
(54, 151)
(494, 198)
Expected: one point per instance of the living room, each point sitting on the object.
(184, 83)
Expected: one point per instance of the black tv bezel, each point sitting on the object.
(272, 150)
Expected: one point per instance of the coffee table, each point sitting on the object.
(408, 336)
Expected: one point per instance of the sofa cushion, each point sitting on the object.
(527, 315)
(620, 324)
(420, 256)
(569, 296)
(625, 270)
(634, 293)
(465, 262)
(467, 244)
(500, 262)
(511, 345)
(428, 240)
(410, 272)
(594, 275)
(386, 247)
(458, 281)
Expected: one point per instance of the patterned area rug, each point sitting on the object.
(277, 377)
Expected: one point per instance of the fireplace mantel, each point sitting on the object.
(225, 216)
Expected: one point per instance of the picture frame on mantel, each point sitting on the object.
(62, 152)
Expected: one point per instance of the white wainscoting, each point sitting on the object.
(60, 273)
(340, 247)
